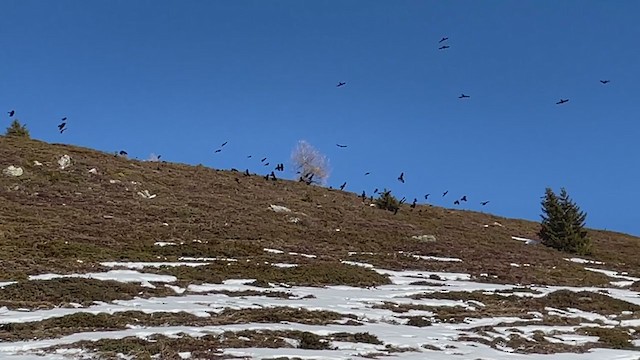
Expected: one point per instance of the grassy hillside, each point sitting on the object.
(54, 220)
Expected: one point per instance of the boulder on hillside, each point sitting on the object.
(13, 171)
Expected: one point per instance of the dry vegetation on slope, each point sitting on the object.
(63, 221)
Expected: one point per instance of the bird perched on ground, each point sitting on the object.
(484, 203)
(443, 47)
(11, 113)
(343, 185)
(363, 196)
(443, 39)
(413, 204)
(462, 96)
(562, 101)
(401, 177)
(273, 176)
(341, 84)
(605, 81)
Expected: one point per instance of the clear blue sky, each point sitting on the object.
(179, 78)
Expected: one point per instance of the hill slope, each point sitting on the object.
(115, 258)
(55, 220)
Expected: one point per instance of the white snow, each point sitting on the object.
(142, 265)
(526, 241)
(389, 326)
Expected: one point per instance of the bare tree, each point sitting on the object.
(312, 166)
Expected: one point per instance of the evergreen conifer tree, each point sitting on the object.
(563, 224)
(16, 129)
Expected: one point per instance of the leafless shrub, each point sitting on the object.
(312, 166)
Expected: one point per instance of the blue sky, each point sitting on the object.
(179, 78)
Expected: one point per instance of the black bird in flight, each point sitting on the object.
(343, 185)
(403, 200)
(63, 130)
(217, 151)
(123, 153)
(263, 159)
(375, 191)
(280, 167)
(61, 127)
(273, 176)
(456, 202)
(266, 164)
(341, 84)
(11, 113)
(462, 96)
(248, 156)
(484, 203)
(426, 197)
(464, 198)
(445, 193)
(64, 118)
(443, 39)
(367, 173)
(562, 101)
(224, 143)
(342, 146)
(443, 47)
(401, 178)
(605, 81)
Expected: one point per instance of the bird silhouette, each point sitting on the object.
(413, 204)
(61, 126)
(456, 202)
(342, 146)
(263, 159)
(266, 164)
(562, 101)
(64, 118)
(605, 81)
(443, 47)
(123, 153)
(363, 196)
(484, 203)
(367, 173)
(464, 198)
(462, 96)
(273, 176)
(375, 191)
(246, 172)
(224, 143)
(403, 200)
(401, 177)
(426, 197)
(11, 113)
(280, 167)
(248, 156)
(63, 130)
(343, 185)
(217, 151)
(341, 84)
(443, 39)
(445, 193)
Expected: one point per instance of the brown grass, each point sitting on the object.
(51, 218)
